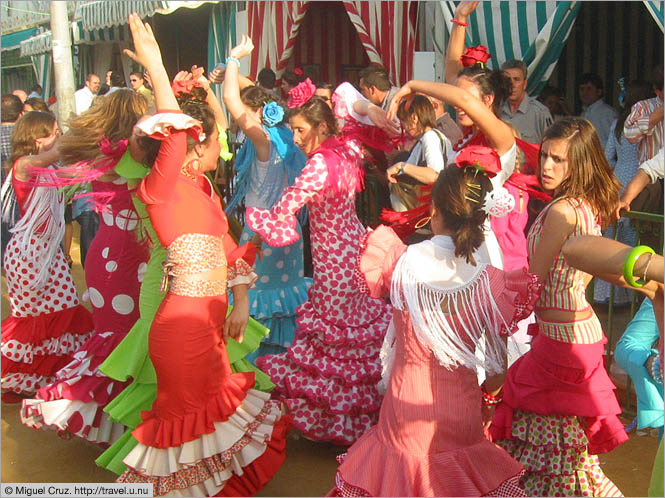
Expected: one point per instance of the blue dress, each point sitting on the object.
(282, 285)
(622, 156)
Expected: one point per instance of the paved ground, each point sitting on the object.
(309, 470)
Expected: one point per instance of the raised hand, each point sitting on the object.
(147, 52)
(217, 74)
(404, 93)
(244, 48)
(464, 9)
(198, 74)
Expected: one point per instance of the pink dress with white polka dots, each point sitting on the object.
(328, 376)
(114, 270)
(47, 324)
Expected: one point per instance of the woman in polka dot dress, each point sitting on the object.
(328, 377)
(47, 324)
(265, 165)
(74, 402)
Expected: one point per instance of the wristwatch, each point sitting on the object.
(401, 167)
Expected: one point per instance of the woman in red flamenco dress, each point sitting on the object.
(209, 433)
(47, 323)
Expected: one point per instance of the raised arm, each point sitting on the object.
(498, 133)
(248, 123)
(148, 55)
(456, 42)
(42, 160)
(277, 226)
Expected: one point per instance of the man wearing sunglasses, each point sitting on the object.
(138, 84)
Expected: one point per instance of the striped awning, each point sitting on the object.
(41, 43)
(98, 14)
(657, 11)
(13, 41)
(534, 32)
(104, 14)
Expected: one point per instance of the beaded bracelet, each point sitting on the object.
(461, 23)
(629, 264)
(490, 400)
(229, 58)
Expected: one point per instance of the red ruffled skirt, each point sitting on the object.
(558, 412)
(46, 326)
(208, 432)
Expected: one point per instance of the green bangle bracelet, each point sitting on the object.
(629, 264)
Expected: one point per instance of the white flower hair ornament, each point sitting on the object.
(498, 202)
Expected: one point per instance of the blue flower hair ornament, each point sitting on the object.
(273, 114)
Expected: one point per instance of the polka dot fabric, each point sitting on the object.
(553, 450)
(46, 326)
(112, 274)
(279, 290)
(327, 377)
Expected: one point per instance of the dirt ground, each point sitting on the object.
(41, 456)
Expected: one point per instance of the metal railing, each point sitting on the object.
(646, 225)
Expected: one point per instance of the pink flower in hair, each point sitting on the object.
(301, 93)
(298, 71)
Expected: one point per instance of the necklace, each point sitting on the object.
(186, 171)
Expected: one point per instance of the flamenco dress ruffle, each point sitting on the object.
(73, 404)
(131, 360)
(280, 289)
(327, 378)
(46, 326)
(558, 413)
(429, 440)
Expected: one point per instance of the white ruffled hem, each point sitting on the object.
(211, 459)
(61, 345)
(19, 382)
(37, 414)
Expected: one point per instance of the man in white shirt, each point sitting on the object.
(594, 107)
(83, 97)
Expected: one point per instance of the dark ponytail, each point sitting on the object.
(489, 83)
(464, 217)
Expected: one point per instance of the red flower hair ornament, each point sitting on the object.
(482, 158)
(474, 55)
(300, 94)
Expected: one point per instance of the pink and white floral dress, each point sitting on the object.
(328, 376)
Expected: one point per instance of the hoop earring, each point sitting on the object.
(192, 169)
(422, 222)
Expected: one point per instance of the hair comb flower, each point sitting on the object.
(473, 55)
(300, 94)
(497, 202)
(484, 159)
(298, 71)
(273, 114)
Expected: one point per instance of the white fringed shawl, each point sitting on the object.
(429, 275)
(43, 222)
